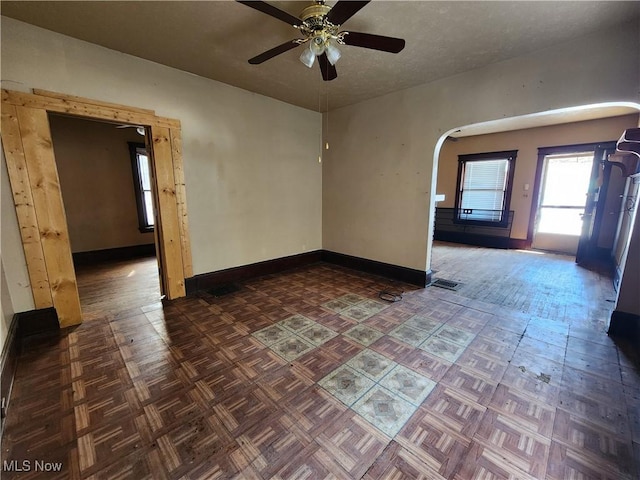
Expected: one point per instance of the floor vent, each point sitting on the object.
(223, 290)
(448, 284)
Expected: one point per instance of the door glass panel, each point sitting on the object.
(566, 182)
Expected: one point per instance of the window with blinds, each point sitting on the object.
(142, 186)
(484, 187)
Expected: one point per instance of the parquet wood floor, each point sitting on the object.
(309, 375)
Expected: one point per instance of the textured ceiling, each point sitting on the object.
(215, 39)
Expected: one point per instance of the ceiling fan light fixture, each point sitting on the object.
(318, 45)
(308, 57)
(333, 52)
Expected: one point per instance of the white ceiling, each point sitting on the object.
(215, 39)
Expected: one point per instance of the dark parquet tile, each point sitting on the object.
(308, 374)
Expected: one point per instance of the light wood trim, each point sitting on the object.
(77, 108)
(181, 199)
(89, 101)
(52, 222)
(38, 199)
(25, 210)
(167, 208)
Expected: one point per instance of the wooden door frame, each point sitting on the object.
(31, 164)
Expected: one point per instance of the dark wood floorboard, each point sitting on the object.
(309, 375)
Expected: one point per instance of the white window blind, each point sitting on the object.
(145, 180)
(483, 190)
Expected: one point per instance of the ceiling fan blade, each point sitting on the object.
(375, 42)
(263, 57)
(273, 11)
(329, 72)
(343, 10)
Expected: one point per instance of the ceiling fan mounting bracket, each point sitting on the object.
(315, 23)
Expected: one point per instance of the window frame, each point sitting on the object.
(510, 156)
(138, 189)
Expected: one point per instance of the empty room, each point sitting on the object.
(309, 240)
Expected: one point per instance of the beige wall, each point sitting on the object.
(378, 176)
(252, 175)
(526, 142)
(96, 178)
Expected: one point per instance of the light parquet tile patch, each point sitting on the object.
(272, 334)
(296, 323)
(444, 349)
(410, 336)
(363, 334)
(337, 305)
(454, 335)
(408, 385)
(292, 347)
(317, 334)
(371, 364)
(426, 324)
(346, 384)
(384, 409)
(357, 312)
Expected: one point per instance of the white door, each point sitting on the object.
(562, 199)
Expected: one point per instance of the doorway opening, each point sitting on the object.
(33, 174)
(108, 202)
(570, 200)
(562, 200)
(511, 274)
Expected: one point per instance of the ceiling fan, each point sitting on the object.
(320, 25)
